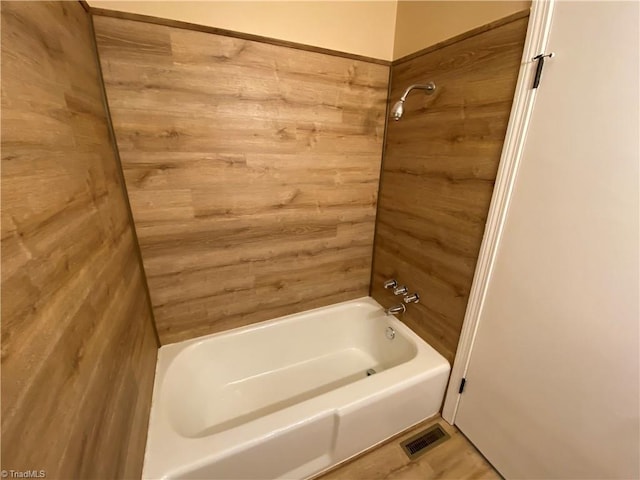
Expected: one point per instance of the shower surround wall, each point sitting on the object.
(439, 168)
(252, 171)
(78, 346)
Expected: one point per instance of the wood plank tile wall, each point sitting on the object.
(78, 346)
(439, 168)
(252, 171)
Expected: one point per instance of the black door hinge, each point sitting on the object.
(540, 58)
(462, 382)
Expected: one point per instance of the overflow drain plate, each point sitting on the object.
(390, 333)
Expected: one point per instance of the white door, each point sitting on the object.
(552, 385)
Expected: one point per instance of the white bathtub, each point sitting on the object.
(289, 398)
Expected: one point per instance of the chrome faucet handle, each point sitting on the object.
(401, 290)
(390, 284)
(413, 298)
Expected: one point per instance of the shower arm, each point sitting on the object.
(430, 87)
(398, 109)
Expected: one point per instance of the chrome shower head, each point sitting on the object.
(398, 109)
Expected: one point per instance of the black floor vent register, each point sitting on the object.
(424, 441)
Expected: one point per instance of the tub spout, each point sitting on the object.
(396, 309)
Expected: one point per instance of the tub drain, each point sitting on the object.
(370, 372)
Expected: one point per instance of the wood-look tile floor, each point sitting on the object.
(455, 458)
